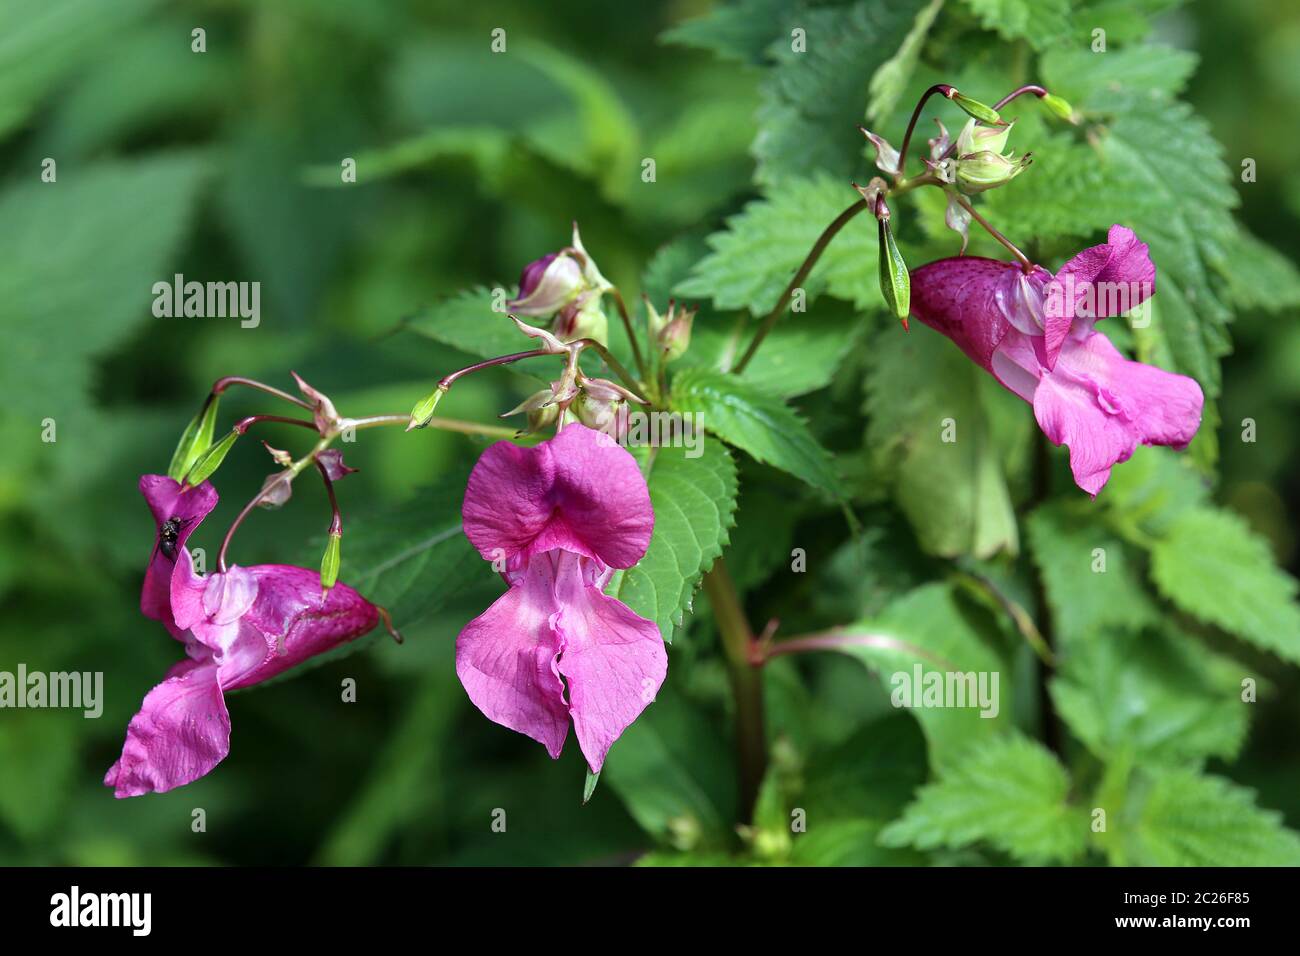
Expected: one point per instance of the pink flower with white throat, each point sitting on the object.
(559, 518)
(1034, 332)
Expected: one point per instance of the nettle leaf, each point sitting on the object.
(931, 432)
(1153, 697)
(1091, 576)
(1260, 277)
(1178, 817)
(757, 422)
(756, 256)
(813, 95)
(1214, 567)
(1009, 792)
(891, 80)
(1123, 20)
(1041, 22)
(694, 500)
(61, 311)
(927, 628)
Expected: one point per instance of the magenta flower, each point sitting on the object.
(240, 628)
(559, 518)
(1035, 334)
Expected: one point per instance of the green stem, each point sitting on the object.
(746, 683)
(633, 384)
(631, 334)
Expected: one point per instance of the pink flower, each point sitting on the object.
(559, 518)
(1035, 334)
(240, 628)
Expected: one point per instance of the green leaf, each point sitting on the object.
(1010, 792)
(931, 430)
(48, 41)
(60, 311)
(1151, 697)
(756, 421)
(927, 628)
(740, 31)
(1260, 277)
(813, 96)
(1178, 817)
(751, 262)
(694, 500)
(1091, 80)
(467, 321)
(676, 783)
(891, 80)
(414, 558)
(848, 843)
(1091, 577)
(1041, 22)
(1214, 567)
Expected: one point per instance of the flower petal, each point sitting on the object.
(188, 506)
(580, 492)
(1102, 405)
(972, 300)
(181, 732)
(1099, 282)
(613, 660)
(505, 658)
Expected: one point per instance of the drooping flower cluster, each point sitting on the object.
(557, 520)
(1035, 333)
(239, 627)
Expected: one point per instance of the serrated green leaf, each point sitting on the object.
(1092, 80)
(1041, 22)
(931, 433)
(694, 500)
(813, 97)
(758, 253)
(1091, 577)
(1010, 792)
(467, 321)
(756, 421)
(1150, 697)
(61, 310)
(1214, 567)
(891, 80)
(1178, 817)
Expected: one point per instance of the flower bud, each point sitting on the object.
(590, 273)
(602, 405)
(986, 169)
(974, 108)
(1060, 108)
(886, 155)
(422, 413)
(323, 412)
(547, 284)
(974, 138)
(675, 337)
(195, 440)
(583, 318)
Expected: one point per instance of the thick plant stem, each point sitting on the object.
(746, 684)
(814, 254)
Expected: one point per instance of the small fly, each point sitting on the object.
(167, 536)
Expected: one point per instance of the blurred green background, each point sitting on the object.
(225, 166)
